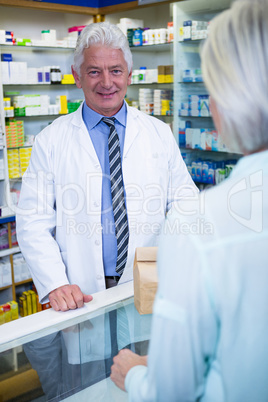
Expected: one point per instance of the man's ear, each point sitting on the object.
(129, 78)
(76, 78)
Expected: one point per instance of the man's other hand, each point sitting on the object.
(68, 297)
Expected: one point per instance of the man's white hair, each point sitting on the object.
(101, 33)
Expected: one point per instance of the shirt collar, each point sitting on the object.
(92, 118)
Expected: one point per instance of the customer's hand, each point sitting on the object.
(68, 297)
(123, 362)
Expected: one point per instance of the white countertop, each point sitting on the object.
(28, 328)
(104, 391)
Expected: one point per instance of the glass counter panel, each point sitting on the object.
(74, 363)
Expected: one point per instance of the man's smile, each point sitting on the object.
(107, 95)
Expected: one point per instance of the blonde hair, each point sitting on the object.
(235, 71)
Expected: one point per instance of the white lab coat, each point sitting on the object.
(62, 193)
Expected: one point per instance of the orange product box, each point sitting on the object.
(39, 305)
(46, 306)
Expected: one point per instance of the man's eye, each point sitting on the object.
(93, 73)
(116, 72)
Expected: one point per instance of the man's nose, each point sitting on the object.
(106, 80)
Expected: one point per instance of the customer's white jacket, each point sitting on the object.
(62, 192)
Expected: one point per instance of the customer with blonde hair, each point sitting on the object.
(210, 326)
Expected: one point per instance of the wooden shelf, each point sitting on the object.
(19, 384)
(66, 8)
(23, 282)
(6, 287)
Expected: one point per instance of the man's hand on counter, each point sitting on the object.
(68, 297)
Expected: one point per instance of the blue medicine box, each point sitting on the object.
(6, 57)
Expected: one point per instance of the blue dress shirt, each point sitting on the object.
(99, 133)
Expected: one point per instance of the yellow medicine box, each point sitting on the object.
(161, 74)
(7, 312)
(29, 302)
(68, 79)
(2, 315)
(14, 310)
(23, 306)
(33, 299)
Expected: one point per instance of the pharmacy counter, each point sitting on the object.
(53, 356)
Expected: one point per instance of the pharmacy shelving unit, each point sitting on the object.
(8, 292)
(5, 201)
(187, 56)
(186, 53)
(150, 56)
(35, 56)
(38, 56)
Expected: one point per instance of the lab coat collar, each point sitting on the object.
(92, 118)
(77, 118)
(133, 129)
(82, 135)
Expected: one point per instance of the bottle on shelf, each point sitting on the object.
(55, 75)
(58, 74)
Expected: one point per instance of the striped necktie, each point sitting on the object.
(118, 200)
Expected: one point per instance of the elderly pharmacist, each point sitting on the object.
(66, 191)
(210, 326)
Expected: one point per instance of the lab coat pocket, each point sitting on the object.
(85, 342)
(155, 188)
(157, 159)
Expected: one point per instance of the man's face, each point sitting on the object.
(104, 79)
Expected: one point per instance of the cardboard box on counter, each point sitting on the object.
(145, 279)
